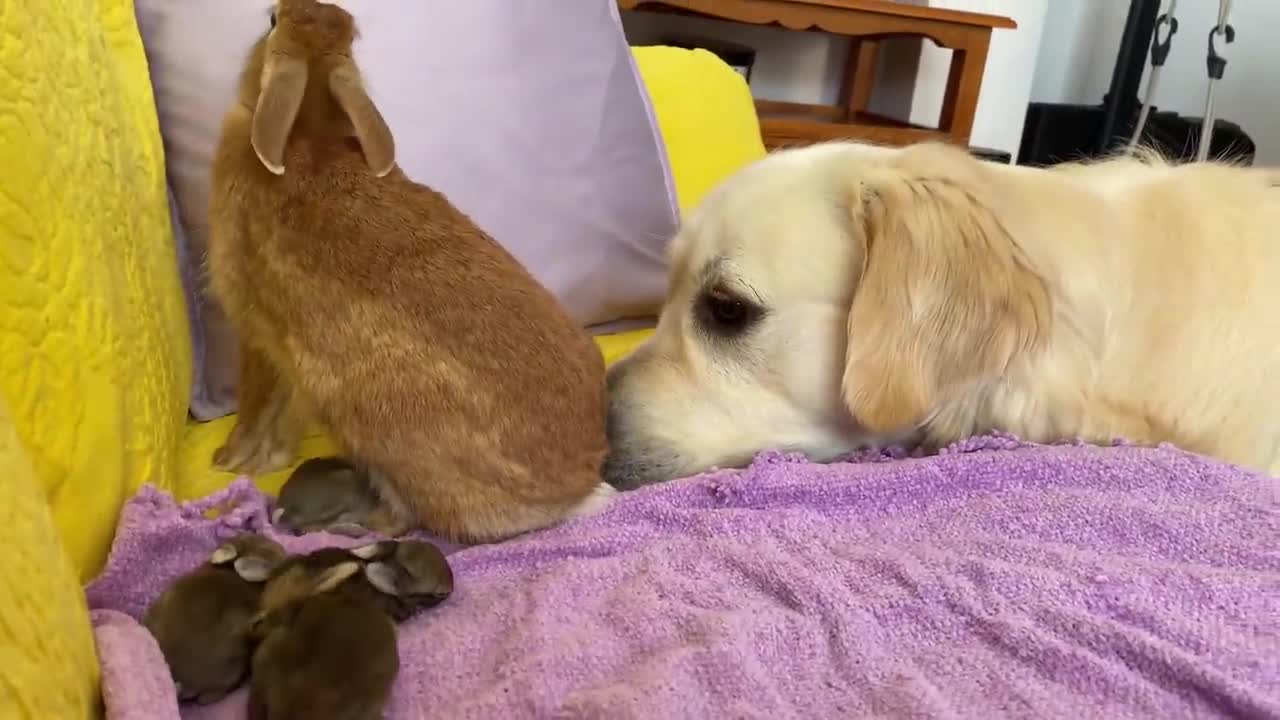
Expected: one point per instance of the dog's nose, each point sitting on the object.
(614, 472)
(613, 423)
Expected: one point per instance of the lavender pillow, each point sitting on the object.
(533, 122)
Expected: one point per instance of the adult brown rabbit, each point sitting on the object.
(370, 302)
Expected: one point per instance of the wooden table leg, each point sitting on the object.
(859, 76)
(964, 83)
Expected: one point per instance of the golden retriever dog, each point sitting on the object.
(841, 295)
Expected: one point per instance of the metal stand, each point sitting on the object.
(1121, 101)
(1159, 53)
(1058, 132)
(1217, 65)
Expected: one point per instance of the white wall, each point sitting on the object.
(1078, 54)
(1006, 84)
(807, 67)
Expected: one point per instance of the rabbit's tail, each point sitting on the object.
(598, 500)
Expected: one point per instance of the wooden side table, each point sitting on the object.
(866, 23)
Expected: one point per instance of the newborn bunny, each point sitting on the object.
(328, 648)
(201, 621)
(330, 493)
(411, 574)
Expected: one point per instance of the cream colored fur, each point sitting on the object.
(922, 293)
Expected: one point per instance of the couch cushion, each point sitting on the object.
(532, 122)
(706, 115)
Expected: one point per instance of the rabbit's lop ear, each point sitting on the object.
(278, 104)
(224, 554)
(375, 551)
(253, 568)
(384, 577)
(371, 129)
(332, 577)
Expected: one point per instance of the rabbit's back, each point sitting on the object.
(394, 269)
(417, 338)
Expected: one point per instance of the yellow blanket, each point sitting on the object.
(94, 356)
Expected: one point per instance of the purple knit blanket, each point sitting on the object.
(997, 579)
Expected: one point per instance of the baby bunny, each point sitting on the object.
(413, 575)
(201, 622)
(328, 493)
(328, 647)
(371, 302)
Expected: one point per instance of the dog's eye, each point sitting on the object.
(273, 19)
(724, 313)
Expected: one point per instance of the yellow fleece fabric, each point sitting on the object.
(49, 668)
(94, 350)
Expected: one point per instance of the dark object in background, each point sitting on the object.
(1178, 137)
(739, 57)
(1059, 132)
(991, 155)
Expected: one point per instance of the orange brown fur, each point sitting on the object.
(376, 305)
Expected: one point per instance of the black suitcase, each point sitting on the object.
(1057, 133)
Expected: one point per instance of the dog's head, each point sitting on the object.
(821, 298)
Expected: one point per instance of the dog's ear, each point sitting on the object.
(946, 297)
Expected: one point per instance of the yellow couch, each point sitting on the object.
(94, 352)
